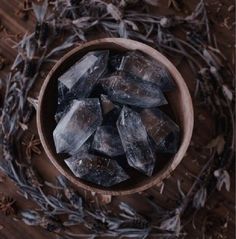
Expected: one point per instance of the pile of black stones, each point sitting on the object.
(108, 106)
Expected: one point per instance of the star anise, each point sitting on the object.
(174, 3)
(32, 146)
(6, 205)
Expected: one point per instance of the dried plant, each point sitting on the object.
(172, 224)
(200, 197)
(223, 178)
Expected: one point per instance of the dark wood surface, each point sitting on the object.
(220, 207)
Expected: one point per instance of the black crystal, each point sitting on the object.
(135, 141)
(95, 169)
(125, 89)
(162, 129)
(107, 141)
(79, 80)
(77, 125)
(148, 69)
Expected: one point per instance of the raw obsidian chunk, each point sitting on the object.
(95, 169)
(79, 80)
(135, 141)
(163, 130)
(107, 141)
(148, 69)
(77, 125)
(125, 89)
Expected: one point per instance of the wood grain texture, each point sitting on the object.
(221, 204)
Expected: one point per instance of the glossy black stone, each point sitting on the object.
(77, 125)
(148, 69)
(107, 141)
(125, 89)
(162, 129)
(80, 79)
(96, 169)
(135, 141)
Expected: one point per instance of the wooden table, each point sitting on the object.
(221, 205)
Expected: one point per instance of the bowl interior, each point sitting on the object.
(180, 109)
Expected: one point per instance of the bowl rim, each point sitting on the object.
(177, 158)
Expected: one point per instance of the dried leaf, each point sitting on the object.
(200, 197)
(126, 208)
(180, 189)
(18, 61)
(33, 102)
(74, 199)
(122, 30)
(114, 11)
(31, 217)
(84, 22)
(212, 59)
(62, 47)
(227, 92)
(72, 220)
(161, 187)
(218, 143)
(172, 224)
(29, 48)
(40, 11)
(132, 25)
(216, 59)
(223, 178)
(23, 126)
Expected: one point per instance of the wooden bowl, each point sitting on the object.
(179, 101)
